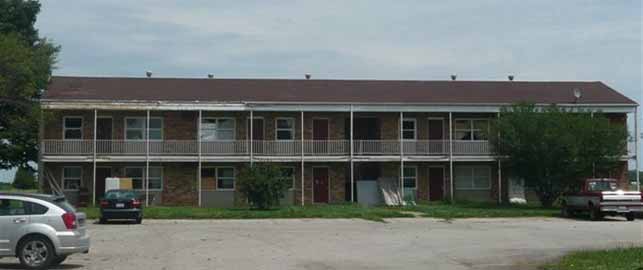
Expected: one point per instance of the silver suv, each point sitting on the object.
(41, 230)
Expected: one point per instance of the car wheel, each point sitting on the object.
(102, 221)
(139, 220)
(58, 260)
(564, 211)
(630, 216)
(35, 252)
(595, 214)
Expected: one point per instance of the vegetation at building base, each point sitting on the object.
(614, 259)
(26, 62)
(553, 148)
(264, 185)
(441, 210)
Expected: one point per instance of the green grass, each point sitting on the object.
(614, 259)
(480, 210)
(327, 211)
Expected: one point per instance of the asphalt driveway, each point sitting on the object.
(345, 244)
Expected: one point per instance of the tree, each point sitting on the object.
(24, 179)
(263, 184)
(553, 149)
(26, 62)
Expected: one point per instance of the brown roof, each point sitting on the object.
(329, 91)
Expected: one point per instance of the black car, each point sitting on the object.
(121, 204)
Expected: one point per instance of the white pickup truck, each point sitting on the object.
(602, 197)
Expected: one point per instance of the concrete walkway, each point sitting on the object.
(346, 244)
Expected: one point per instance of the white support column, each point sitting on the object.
(351, 157)
(451, 156)
(637, 152)
(198, 173)
(499, 175)
(251, 135)
(94, 159)
(302, 159)
(147, 159)
(401, 159)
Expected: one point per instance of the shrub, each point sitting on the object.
(263, 184)
(24, 179)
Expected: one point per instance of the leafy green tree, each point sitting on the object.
(26, 62)
(553, 148)
(24, 179)
(263, 184)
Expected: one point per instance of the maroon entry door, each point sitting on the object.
(101, 174)
(320, 185)
(320, 133)
(257, 134)
(436, 183)
(437, 145)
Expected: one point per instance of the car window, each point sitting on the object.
(9, 207)
(120, 195)
(602, 186)
(62, 203)
(35, 208)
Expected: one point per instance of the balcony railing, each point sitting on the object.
(264, 148)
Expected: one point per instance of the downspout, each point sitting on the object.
(451, 156)
(94, 159)
(198, 138)
(351, 157)
(401, 182)
(251, 135)
(302, 159)
(499, 174)
(637, 136)
(147, 159)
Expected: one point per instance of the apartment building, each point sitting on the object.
(184, 141)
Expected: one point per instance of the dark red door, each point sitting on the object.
(320, 185)
(101, 174)
(436, 183)
(320, 135)
(257, 134)
(437, 145)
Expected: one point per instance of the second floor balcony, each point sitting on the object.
(265, 148)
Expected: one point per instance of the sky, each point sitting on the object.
(416, 40)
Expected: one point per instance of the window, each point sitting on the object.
(36, 209)
(213, 129)
(225, 178)
(471, 129)
(71, 178)
(135, 128)
(12, 207)
(72, 128)
(137, 174)
(288, 174)
(408, 129)
(410, 177)
(473, 177)
(285, 128)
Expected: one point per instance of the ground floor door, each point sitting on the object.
(320, 185)
(436, 183)
(101, 174)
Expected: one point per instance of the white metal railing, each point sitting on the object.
(276, 148)
(376, 147)
(327, 147)
(67, 147)
(264, 148)
(471, 147)
(426, 147)
(224, 148)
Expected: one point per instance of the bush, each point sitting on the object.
(24, 179)
(263, 184)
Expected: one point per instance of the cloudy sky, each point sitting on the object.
(478, 40)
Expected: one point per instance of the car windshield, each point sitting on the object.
(120, 195)
(602, 186)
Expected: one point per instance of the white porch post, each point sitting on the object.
(499, 175)
(198, 173)
(302, 159)
(147, 159)
(351, 157)
(451, 156)
(94, 160)
(637, 136)
(251, 135)
(401, 159)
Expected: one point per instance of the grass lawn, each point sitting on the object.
(615, 259)
(327, 211)
(480, 210)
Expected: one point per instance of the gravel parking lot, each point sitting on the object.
(345, 244)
